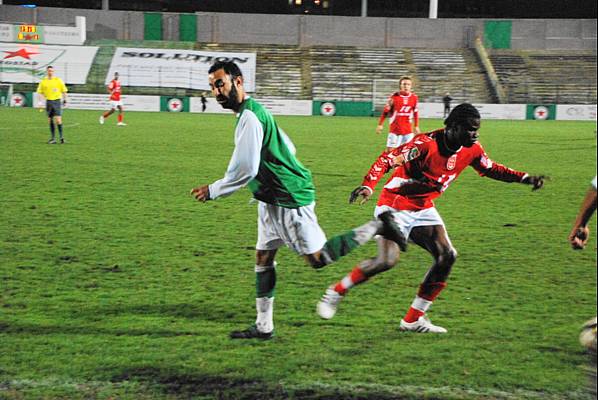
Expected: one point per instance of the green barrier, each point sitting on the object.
(497, 34)
(541, 111)
(187, 27)
(174, 104)
(152, 29)
(342, 108)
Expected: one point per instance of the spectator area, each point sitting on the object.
(561, 77)
(366, 74)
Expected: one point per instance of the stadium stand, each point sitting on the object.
(560, 77)
(347, 73)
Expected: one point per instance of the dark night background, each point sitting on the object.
(376, 8)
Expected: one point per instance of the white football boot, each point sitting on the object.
(101, 120)
(422, 325)
(327, 306)
(121, 124)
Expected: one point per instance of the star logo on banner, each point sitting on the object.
(24, 53)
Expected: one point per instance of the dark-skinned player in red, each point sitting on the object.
(422, 170)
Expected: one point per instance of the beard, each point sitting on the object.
(232, 101)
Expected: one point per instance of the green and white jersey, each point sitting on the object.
(264, 159)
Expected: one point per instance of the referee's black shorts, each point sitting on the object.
(54, 108)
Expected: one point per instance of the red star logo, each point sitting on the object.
(17, 100)
(19, 53)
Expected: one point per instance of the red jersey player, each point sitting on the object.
(423, 169)
(402, 111)
(114, 89)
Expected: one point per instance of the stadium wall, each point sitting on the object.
(569, 112)
(302, 30)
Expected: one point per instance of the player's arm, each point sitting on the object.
(416, 119)
(64, 91)
(244, 163)
(580, 233)
(40, 91)
(387, 109)
(488, 168)
(380, 167)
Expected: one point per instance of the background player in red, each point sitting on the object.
(114, 89)
(401, 109)
(423, 169)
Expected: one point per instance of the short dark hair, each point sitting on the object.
(229, 67)
(462, 114)
(49, 66)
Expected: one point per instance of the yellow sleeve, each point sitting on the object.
(63, 87)
(39, 87)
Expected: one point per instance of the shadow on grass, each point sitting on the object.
(228, 388)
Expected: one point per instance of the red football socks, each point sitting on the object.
(355, 277)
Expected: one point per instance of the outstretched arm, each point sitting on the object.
(580, 233)
(244, 163)
(488, 168)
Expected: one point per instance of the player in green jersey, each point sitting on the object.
(264, 160)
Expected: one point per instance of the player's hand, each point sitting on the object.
(578, 238)
(362, 191)
(379, 129)
(417, 131)
(201, 193)
(536, 181)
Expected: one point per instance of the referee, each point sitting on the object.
(54, 90)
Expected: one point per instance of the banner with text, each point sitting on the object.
(28, 62)
(178, 68)
(80, 101)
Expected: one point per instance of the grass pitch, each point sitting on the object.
(115, 284)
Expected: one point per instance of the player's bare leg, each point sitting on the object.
(436, 241)
(120, 116)
(265, 283)
(387, 257)
(106, 115)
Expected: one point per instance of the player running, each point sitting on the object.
(423, 169)
(114, 88)
(264, 160)
(402, 109)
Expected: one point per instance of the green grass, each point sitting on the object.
(115, 284)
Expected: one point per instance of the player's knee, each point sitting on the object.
(448, 256)
(318, 260)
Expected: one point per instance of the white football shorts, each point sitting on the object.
(115, 103)
(395, 140)
(298, 228)
(407, 219)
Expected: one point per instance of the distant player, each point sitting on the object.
(401, 110)
(114, 88)
(54, 90)
(423, 169)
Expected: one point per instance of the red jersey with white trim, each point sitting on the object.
(424, 168)
(402, 108)
(114, 88)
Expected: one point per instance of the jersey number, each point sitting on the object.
(445, 180)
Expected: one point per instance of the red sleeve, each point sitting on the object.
(399, 156)
(416, 114)
(378, 169)
(488, 168)
(387, 109)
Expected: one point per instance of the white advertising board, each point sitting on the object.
(178, 68)
(576, 112)
(28, 62)
(487, 111)
(275, 106)
(78, 101)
